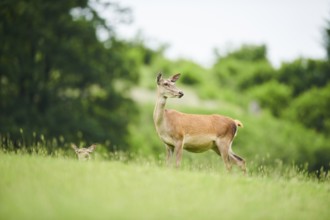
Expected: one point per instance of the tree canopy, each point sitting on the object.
(57, 77)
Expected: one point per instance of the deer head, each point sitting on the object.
(83, 153)
(167, 88)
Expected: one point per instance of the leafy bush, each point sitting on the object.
(303, 74)
(312, 109)
(249, 52)
(272, 95)
(191, 72)
(244, 67)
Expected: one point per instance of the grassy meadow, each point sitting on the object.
(44, 180)
(61, 187)
(62, 82)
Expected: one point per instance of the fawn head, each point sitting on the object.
(83, 153)
(167, 88)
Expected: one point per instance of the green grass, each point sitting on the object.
(39, 187)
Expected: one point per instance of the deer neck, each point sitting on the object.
(159, 111)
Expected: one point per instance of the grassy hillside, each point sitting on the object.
(38, 187)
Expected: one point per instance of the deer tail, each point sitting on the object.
(238, 123)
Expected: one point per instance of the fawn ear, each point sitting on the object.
(91, 148)
(74, 147)
(175, 77)
(159, 77)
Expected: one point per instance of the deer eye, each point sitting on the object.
(166, 84)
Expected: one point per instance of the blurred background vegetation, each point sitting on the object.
(61, 83)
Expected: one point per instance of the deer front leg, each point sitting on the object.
(178, 152)
(169, 153)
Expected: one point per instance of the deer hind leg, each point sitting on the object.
(239, 161)
(223, 151)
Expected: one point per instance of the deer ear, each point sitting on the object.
(175, 77)
(159, 78)
(74, 147)
(91, 148)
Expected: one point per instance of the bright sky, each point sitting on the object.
(193, 28)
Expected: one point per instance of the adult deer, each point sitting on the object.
(194, 133)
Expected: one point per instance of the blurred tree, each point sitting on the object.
(303, 74)
(245, 67)
(191, 72)
(57, 77)
(312, 109)
(327, 39)
(272, 95)
(249, 52)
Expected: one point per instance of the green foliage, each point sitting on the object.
(270, 138)
(250, 53)
(278, 90)
(312, 109)
(272, 95)
(57, 78)
(327, 39)
(143, 136)
(139, 53)
(191, 72)
(303, 74)
(244, 67)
